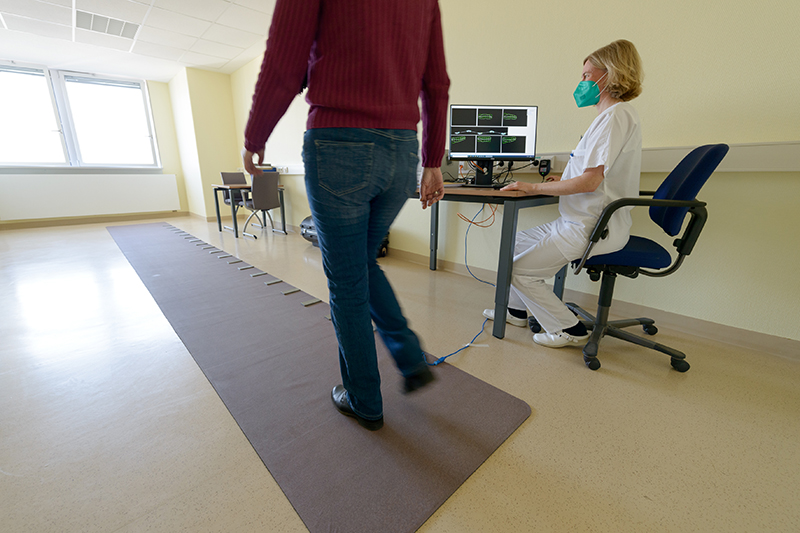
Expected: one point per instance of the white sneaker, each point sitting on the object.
(559, 340)
(514, 321)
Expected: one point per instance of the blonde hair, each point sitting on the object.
(624, 66)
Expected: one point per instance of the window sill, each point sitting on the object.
(79, 170)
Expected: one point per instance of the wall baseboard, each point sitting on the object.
(771, 344)
(75, 221)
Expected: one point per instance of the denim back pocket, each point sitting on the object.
(343, 167)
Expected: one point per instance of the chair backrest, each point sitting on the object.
(265, 191)
(233, 178)
(683, 183)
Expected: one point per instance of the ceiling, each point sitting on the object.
(150, 39)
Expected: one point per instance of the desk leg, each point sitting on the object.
(283, 214)
(434, 234)
(233, 212)
(505, 265)
(216, 206)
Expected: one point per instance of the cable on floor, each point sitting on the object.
(483, 326)
(441, 359)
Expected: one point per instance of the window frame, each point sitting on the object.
(59, 99)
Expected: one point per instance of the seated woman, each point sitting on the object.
(604, 167)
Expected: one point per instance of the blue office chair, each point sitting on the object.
(669, 206)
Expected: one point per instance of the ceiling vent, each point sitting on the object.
(98, 23)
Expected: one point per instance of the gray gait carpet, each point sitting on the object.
(273, 362)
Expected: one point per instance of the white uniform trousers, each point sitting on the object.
(537, 258)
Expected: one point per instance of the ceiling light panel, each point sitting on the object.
(129, 31)
(99, 23)
(115, 27)
(116, 9)
(107, 25)
(83, 20)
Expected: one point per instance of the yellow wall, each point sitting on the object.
(202, 105)
(285, 145)
(715, 72)
(163, 117)
(187, 144)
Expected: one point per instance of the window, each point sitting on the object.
(59, 118)
(29, 131)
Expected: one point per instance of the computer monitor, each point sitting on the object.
(487, 133)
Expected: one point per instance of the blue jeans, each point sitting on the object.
(357, 181)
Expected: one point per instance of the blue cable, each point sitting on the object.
(466, 264)
(441, 359)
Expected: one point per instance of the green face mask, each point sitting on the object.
(587, 92)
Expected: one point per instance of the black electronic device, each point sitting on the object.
(485, 134)
(544, 167)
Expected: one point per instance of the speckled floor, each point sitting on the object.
(107, 424)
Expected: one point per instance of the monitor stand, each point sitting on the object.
(483, 175)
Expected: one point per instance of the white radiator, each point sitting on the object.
(35, 196)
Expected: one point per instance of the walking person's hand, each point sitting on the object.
(431, 186)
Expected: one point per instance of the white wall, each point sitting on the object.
(42, 196)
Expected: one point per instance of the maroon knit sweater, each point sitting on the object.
(367, 61)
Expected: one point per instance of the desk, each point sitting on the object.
(512, 201)
(218, 188)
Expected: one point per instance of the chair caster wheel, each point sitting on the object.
(650, 329)
(534, 325)
(592, 363)
(679, 364)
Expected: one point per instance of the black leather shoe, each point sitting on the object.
(342, 403)
(418, 380)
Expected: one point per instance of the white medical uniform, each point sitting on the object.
(614, 140)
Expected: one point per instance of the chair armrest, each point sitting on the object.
(601, 228)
